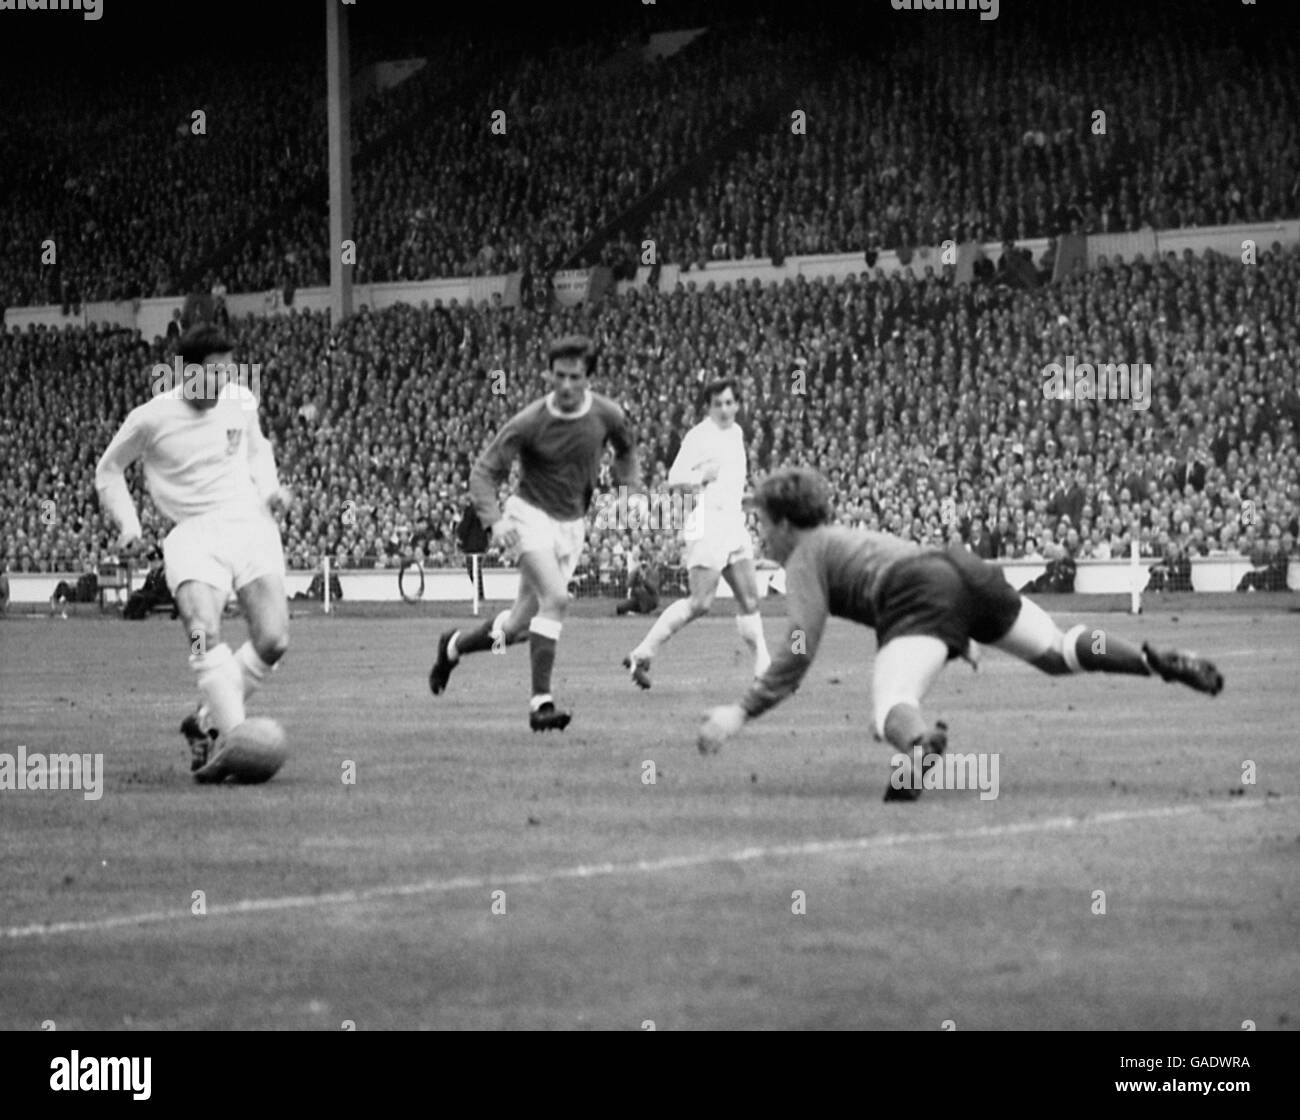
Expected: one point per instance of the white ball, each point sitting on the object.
(255, 750)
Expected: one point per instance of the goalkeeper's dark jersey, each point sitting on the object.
(832, 571)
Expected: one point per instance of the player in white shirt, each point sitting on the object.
(209, 469)
(711, 465)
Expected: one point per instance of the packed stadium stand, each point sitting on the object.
(924, 402)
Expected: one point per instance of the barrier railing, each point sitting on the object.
(397, 581)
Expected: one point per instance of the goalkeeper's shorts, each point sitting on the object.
(953, 596)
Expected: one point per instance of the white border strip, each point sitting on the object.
(602, 870)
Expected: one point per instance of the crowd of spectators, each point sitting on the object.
(921, 399)
(916, 131)
(988, 135)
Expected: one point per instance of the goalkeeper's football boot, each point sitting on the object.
(547, 717)
(1193, 671)
(442, 665)
(931, 745)
(639, 670)
(201, 742)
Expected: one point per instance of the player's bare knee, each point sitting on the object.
(554, 606)
(701, 605)
(271, 647)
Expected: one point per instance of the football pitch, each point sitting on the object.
(1128, 874)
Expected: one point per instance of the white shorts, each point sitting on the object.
(224, 550)
(540, 532)
(717, 547)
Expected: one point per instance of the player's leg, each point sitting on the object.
(704, 586)
(740, 576)
(924, 613)
(549, 583)
(252, 549)
(506, 628)
(216, 673)
(1035, 638)
(905, 669)
(511, 627)
(199, 576)
(267, 610)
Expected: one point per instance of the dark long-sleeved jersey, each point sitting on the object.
(559, 457)
(832, 571)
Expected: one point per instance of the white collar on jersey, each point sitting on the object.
(582, 411)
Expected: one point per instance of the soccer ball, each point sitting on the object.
(258, 750)
(253, 752)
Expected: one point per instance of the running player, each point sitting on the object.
(711, 465)
(558, 440)
(927, 606)
(210, 470)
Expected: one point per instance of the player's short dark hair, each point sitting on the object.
(572, 346)
(201, 340)
(720, 385)
(798, 495)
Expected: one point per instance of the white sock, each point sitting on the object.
(222, 685)
(253, 668)
(666, 625)
(751, 630)
(498, 631)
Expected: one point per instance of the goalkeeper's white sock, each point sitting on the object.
(751, 631)
(666, 625)
(253, 669)
(222, 685)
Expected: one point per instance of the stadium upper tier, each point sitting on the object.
(924, 401)
(914, 131)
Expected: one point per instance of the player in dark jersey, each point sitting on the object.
(558, 441)
(927, 607)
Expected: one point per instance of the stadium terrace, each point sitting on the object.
(195, 379)
(1127, 381)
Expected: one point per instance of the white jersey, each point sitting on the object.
(195, 462)
(720, 499)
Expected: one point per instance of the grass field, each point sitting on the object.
(673, 902)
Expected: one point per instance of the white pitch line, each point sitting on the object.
(600, 870)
